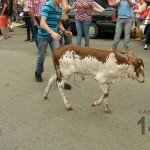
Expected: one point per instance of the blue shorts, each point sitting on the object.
(139, 20)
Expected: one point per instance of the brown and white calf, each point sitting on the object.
(106, 67)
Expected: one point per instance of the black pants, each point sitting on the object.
(36, 29)
(147, 34)
(65, 40)
(29, 25)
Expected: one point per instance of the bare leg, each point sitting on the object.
(7, 31)
(3, 31)
(50, 83)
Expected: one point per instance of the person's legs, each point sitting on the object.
(61, 41)
(7, 31)
(127, 30)
(118, 32)
(10, 23)
(54, 44)
(32, 28)
(86, 26)
(67, 39)
(79, 32)
(42, 47)
(147, 38)
(17, 13)
(3, 32)
(2, 26)
(147, 35)
(27, 23)
(36, 30)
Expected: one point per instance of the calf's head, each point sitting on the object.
(138, 65)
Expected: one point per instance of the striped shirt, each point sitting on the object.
(53, 17)
(84, 10)
(36, 5)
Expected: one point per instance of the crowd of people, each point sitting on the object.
(47, 23)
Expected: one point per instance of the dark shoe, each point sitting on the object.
(38, 77)
(67, 86)
(32, 40)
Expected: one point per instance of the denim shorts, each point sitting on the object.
(139, 20)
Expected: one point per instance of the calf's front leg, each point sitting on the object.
(104, 97)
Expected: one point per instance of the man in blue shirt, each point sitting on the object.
(124, 22)
(48, 34)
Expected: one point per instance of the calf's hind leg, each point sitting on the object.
(52, 79)
(60, 84)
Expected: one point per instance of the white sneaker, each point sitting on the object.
(145, 47)
(11, 28)
(1, 38)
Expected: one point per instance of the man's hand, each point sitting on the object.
(56, 36)
(36, 24)
(68, 33)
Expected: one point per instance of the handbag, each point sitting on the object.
(144, 14)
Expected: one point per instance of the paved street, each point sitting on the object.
(28, 122)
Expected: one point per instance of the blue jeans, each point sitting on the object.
(42, 47)
(122, 24)
(83, 27)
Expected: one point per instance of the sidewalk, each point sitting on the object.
(17, 24)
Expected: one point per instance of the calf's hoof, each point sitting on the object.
(69, 107)
(95, 104)
(45, 96)
(107, 110)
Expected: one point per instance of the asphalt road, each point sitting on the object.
(28, 122)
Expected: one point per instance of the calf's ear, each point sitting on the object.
(134, 62)
(128, 59)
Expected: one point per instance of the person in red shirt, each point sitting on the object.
(3, 19)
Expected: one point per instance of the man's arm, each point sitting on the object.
(61, 27)
(131, 4)
(73, 6)
(31, 13)
(64, 5)
(117, 3)
(44, 25)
